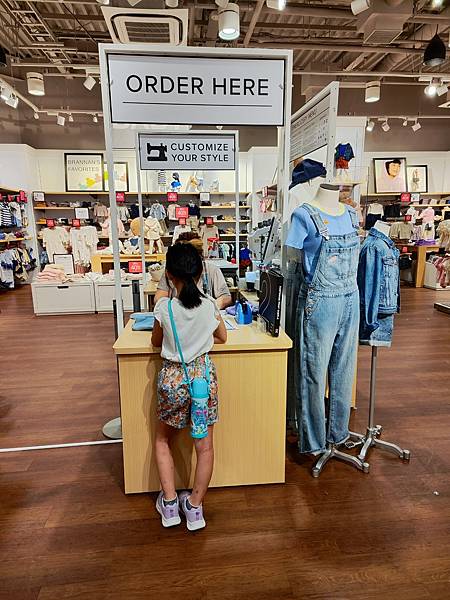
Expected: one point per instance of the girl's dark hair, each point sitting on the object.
(184, 263)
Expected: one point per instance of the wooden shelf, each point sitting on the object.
(8, 190)
(431, 204)
(59, 207)
(424, 194)
(229, 221)
(92, 193)
(223, 207)
(21, 239)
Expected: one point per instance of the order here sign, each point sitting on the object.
(187, 152)
(198, 91)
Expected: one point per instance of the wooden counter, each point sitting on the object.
(421, 252)
(102, 263)
(249, 439)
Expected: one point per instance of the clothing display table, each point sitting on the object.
(102, 263)
(421, 252)
(249, 439)
(63, 298)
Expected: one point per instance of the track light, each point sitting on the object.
(359, 6)
(60, 120)
(229, 28)
(95, 119)
(36, 116)
(437, 3)
(385, 127)
(405, 123)
(430, 90)
(171, 3)
(89, 82)
(435, 52)
(442, 89)
(70, 118)
(370, 126)
(103, 2)
(12, 101)
(416, 126)
(373, 91)
(275, 4)
(35, 83)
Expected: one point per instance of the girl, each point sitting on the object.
(199, 325)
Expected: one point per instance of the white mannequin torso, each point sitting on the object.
(383, 227)
(327, 200)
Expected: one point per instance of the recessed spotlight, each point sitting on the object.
(373, 91)
(229, 28)
(36, 116)
(70, 118)
(370, 126)
(35, 83)
(95, 119)
(431, 90)
(60, 120)
(89, 82)
(416, 126)
(385, 127)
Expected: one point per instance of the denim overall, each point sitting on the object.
(328, 321)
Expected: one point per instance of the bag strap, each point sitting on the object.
(178, 345)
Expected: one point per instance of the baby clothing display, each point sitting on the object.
(428, 228)
(106, 226)
(52, 274)
(401, 231)
(171, 211)
(15, 264)
(379, 288)
(179, 229)
(55, 241)
(100, 212)
(343, 155)
(207, 232)
(153, 232)
(443, 231)
(375, 212)
(442, 265)
(123, 213)
(83, 241)
(157, 211)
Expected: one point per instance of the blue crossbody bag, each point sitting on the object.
(198, 388)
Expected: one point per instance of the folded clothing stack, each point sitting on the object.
(52, 274)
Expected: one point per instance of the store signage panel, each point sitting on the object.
(181, 212)
(188, 152)
(309, 131)
(172, 197)
(199, 91)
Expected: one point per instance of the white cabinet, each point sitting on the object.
(105, 294)
(64, 298)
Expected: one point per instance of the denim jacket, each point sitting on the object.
(379, 287)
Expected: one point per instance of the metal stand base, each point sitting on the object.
(333, 452)
(370, 440)
(113, 429)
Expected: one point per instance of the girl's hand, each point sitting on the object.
(220, 334)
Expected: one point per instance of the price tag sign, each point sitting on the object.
(22, 196)
(181, 212)
(405, 197)
(408, 218)
(172, 196)
(404, 249)
(76, 223)
(50, 222)
(134, 266)
(81, 213)
(120, 197)
(209, 221)
(181, 221)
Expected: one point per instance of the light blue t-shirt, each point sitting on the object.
(303, 235)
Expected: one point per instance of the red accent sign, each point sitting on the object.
(405, 197)
(10, 198)
(181, 212)
(172, 196)
(408, 218)
(120, 196)
(404, 249)
(209, 221)
(76, 223)
(181, 221)
(50, 222)
(135, 266)
(22, 196)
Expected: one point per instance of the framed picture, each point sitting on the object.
(120, 177)
(390, 175)
(417, 176)
(66, 260)
(84, 172)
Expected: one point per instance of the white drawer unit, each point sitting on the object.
(62, 299)
(105, 294)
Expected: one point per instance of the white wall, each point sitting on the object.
(262, 169)
(438, 167)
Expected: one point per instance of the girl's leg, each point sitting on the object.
(205, 463)
(164, 459)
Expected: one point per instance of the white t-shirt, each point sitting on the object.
(195, 327)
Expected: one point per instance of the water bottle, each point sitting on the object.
(199, 408)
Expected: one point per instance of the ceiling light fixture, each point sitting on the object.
(89, 82)
(437, 3)
(222, 3)
(275, 4)
(229, 28)
(385, 127)
(104, 2)
(373, 91)
(35, 83)
(60, 120)
(36, 116)
(431, 90)
(70, 118)
(359, 6)
(171, 3)
(435, 52)
(370, 126)
(405, 123)
(442, 89)
(416, 126)
(95, 119)
(12, 101)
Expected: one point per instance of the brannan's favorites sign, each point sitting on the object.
(185, 152)
(197, 91)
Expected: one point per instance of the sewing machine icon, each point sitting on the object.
(161, 153)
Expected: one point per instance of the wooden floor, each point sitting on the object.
(67, 531)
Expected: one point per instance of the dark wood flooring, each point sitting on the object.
(67, 531)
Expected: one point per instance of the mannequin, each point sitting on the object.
(383, 227)
(327, 200)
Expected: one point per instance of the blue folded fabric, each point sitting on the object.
(143, 321)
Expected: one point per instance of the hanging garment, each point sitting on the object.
(100, 212)
(123, 213)
(343, 155)
(157, 211)
(134, 211)
(55, 241)
(171, 211)
(206, 232)
(6, 216)
(401, 231)
(379, 289)
(152, 229)
(84, 242)
(443, 231)
(327, 326)
(194, 210)
(193, 223)
(106, 227)
(179, 229)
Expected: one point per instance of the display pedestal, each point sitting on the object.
(333, 452)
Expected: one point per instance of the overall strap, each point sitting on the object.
(354, 217)
(317, 220)
(178, 345)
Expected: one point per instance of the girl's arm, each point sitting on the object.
(220, 334)
(157, 335)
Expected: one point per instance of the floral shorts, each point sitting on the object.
(174, 399)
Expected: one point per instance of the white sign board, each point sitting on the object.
(187, 152)
(198, 91)
(310, 126)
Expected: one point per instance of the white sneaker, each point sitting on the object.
(170, 514)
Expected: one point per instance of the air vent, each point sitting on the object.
(147, 26)
(381, 37)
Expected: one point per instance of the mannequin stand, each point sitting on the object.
(370, 439)
(333, 452)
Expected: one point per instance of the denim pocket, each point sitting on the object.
(341, 263)
(389, 284)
